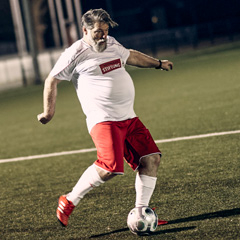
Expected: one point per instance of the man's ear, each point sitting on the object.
(85, 31)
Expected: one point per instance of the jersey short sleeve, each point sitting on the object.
(65, 65)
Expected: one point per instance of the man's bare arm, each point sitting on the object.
(142, 60)
(49, 99)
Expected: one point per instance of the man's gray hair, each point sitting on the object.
(97, 15)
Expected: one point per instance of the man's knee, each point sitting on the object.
(105, 175)
(149, 165)
(151, 160)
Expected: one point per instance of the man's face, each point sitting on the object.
(98, 36)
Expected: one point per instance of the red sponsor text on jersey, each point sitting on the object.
(110, 66)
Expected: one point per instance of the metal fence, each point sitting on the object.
(176, 38)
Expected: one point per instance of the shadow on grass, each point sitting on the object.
(154, 233)
(222, 214)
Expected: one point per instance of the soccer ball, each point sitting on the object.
(142, 220)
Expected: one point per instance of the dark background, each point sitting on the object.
(136, 17)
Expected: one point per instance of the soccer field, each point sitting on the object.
(198, 186)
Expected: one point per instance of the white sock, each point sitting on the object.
(89, 179)
(144, 186)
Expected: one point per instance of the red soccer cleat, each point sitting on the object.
(64, 209)
(160, 222)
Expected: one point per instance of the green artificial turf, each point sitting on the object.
(199, 179)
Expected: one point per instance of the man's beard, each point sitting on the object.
(100, 45)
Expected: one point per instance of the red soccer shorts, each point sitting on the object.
(128, 139)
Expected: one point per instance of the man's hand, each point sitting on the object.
(166, 65)
(43, 119)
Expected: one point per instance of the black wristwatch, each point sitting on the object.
(160, 65)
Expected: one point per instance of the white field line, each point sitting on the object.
(198, 136)
(94, 149)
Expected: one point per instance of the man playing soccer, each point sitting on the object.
(96, 66)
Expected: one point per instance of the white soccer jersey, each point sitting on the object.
(104, 88)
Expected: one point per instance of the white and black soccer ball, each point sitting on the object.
(142, 220)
